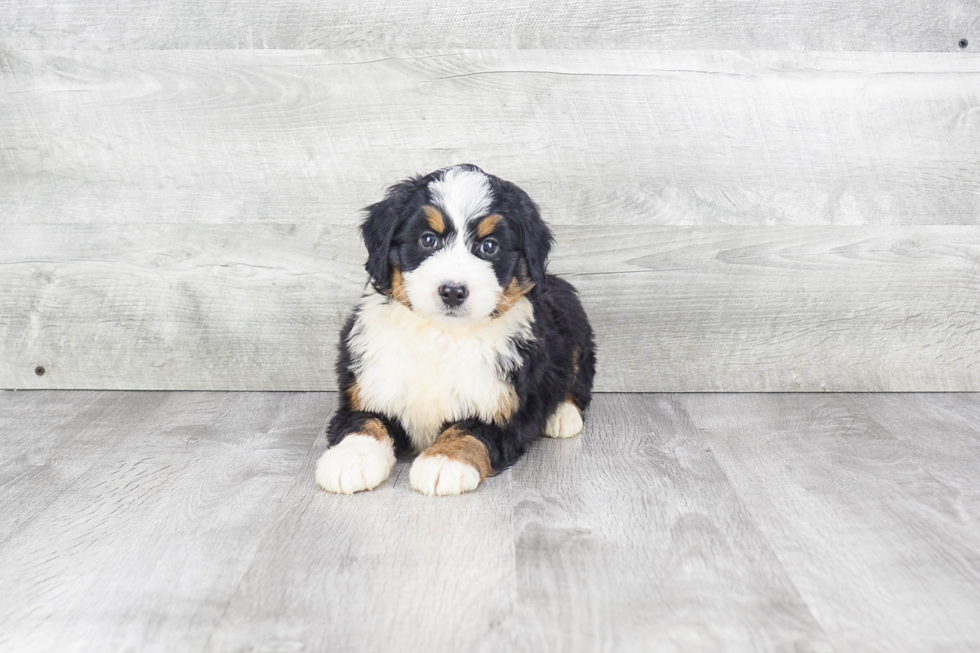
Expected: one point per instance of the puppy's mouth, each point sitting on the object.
(457, 312)
(456, 316)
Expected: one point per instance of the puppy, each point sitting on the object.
(462, 348)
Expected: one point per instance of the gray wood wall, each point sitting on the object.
(763, 196)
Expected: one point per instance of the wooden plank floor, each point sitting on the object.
(163, 521)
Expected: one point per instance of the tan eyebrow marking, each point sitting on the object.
(435, 219)
(487, 225)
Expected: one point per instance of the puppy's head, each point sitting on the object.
(457, 245)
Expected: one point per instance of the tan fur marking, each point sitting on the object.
(375, 428)
(435, 219)
(398, 291)
(507, 408)
(513, 292)
(571, 401)
(458, 445)
(487, 225)
(354, 396)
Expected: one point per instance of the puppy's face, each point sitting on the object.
(456, 245)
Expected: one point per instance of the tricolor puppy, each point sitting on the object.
(462, 348)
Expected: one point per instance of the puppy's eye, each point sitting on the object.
(428, 241)
(489, 247)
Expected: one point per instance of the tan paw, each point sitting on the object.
(565, 423)
(439, 475)
(358, 462)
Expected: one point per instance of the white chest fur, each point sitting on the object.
(426, 373)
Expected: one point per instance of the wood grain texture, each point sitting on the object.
(143, 548)
(610, 137)
(862, 511)
(673, 523)
(734, 221)
(218, 306)
(629, 538)
(384, 570)
(249, 307)
(47, 447)
(710, 24)
(951, 425)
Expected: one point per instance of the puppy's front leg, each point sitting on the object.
(361, 455)
(456, 462)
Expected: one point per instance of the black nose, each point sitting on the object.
(453, 294)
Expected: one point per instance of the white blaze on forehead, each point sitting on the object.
(462, 194)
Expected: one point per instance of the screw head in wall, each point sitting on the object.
(963, 44)
(39, 370)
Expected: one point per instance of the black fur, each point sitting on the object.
(535, 237)
(378, 229)
(546, 378)
(559, 362)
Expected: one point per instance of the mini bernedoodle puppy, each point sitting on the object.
(462, 348)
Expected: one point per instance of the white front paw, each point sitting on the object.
(566, 422)
(358, 462)
(440, 475)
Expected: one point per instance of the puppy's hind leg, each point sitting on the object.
(566, 421)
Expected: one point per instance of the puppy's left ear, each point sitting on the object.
(536, 237)
(378, 230)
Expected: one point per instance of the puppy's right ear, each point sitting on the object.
(378, 230)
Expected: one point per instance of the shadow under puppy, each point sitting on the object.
(462, 348)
